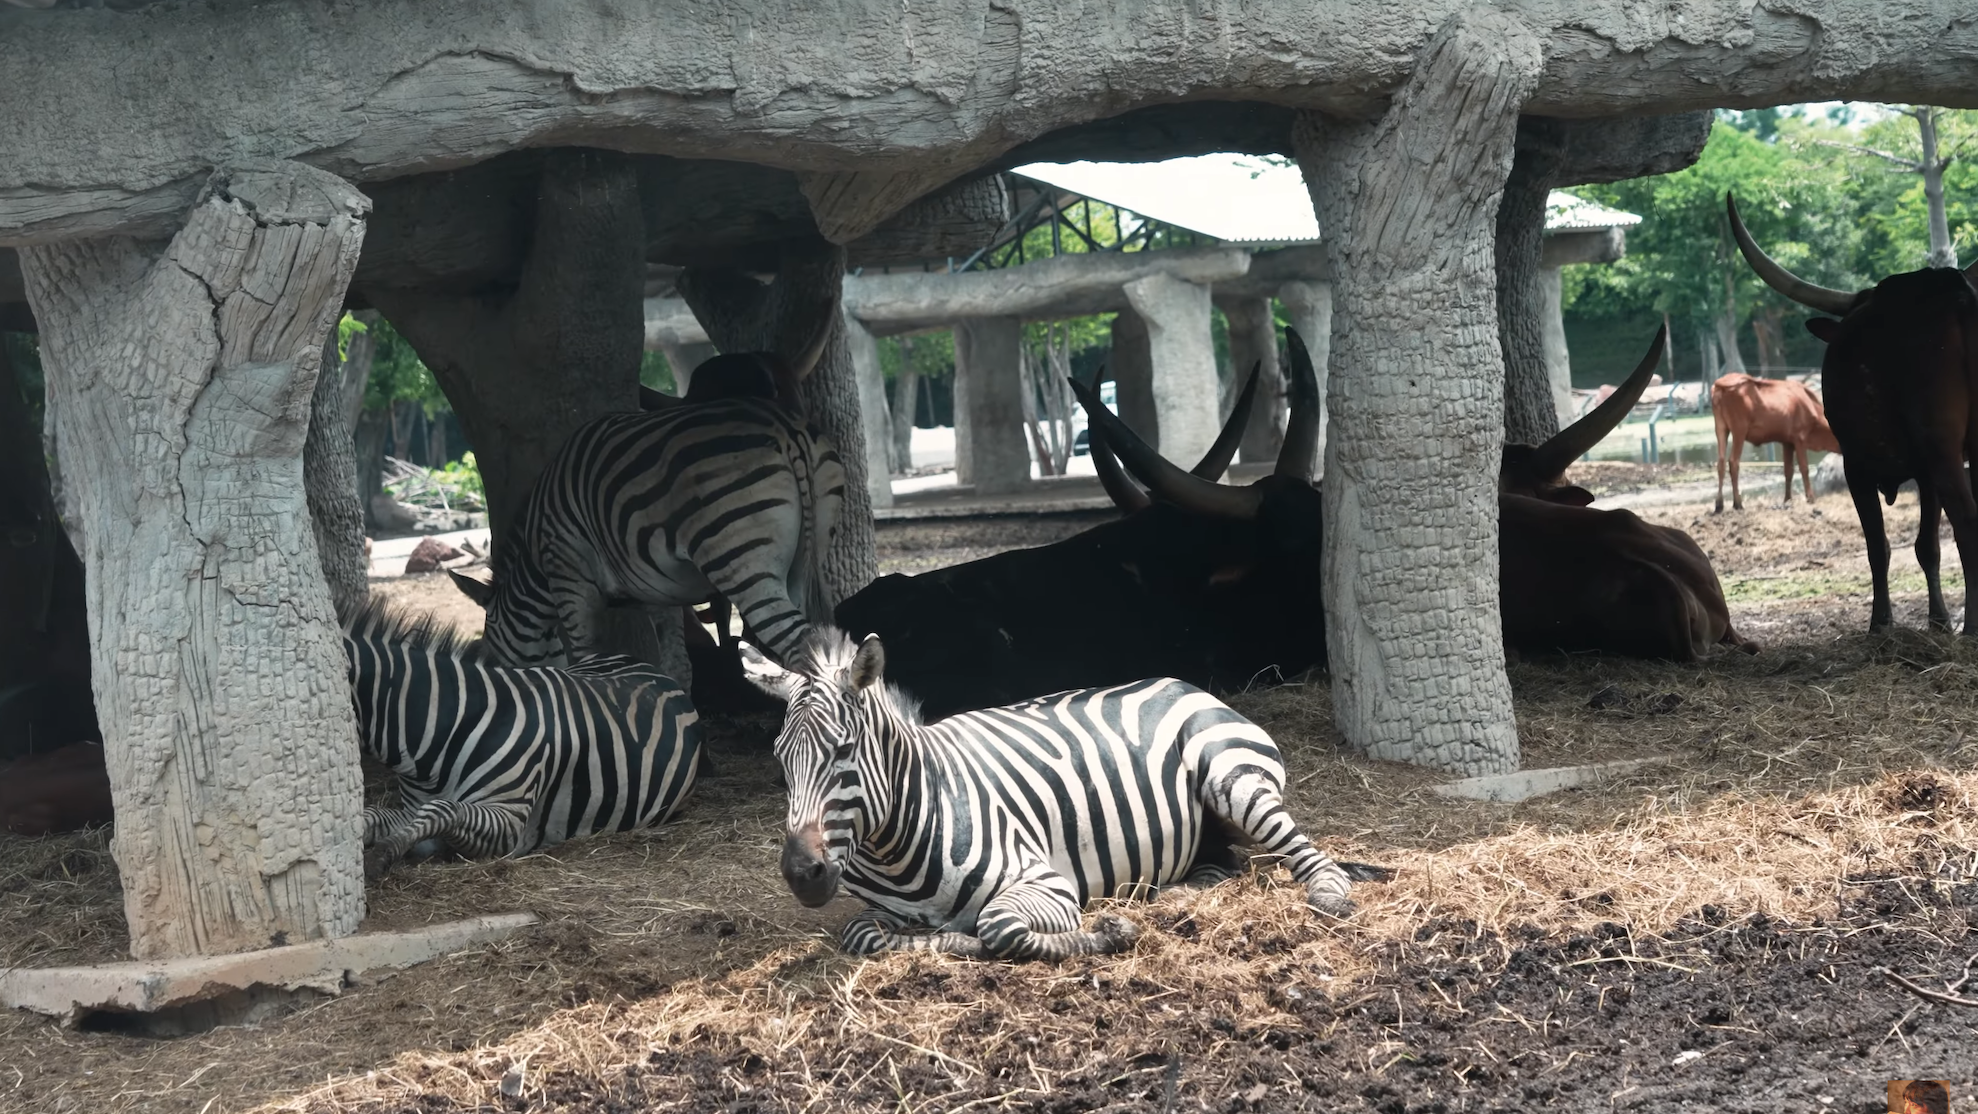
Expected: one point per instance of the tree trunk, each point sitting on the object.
(786, 317)
(1530, 410)
(1409, 203)
(1253, 339)
(906, 404)
(523, 371)
(404, 414)
(219, 672)
(1942, 252)
(359, 353)
(372, 426)
(1727, 342)
(329, 480)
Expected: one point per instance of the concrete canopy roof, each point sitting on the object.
(1248, 200)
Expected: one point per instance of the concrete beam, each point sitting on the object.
(1049, 289)
(1591, 245)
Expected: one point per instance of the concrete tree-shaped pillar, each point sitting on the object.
(525, 369)
(785, 317)
(994, 455)
(1309, 306)
(1530, 410)
(1186, 391)
(874, 415)
(182, 376)
(1409, 204)
(1253, 340)
(329, 473)
(1133, 376)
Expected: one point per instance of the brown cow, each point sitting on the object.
(1767, 412)
(60, 791)
(1902, 372)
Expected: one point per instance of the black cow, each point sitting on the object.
(1901, 383)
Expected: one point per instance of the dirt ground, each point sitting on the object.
(1705, 933)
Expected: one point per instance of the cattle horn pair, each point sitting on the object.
(1550, 460)
(1823, 298)
(1197, 490)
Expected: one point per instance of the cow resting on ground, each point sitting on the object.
(1901, 373)
(1218, 585)
(1767, 412)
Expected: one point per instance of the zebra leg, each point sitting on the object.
(1254, 805)
(1217, 860)
(378, 821)
(408, 827)
(1038, 919)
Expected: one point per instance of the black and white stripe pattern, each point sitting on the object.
(667, 508)
(497, 760)
(994, 828)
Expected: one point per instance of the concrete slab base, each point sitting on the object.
(188, 995)
(1526, 784)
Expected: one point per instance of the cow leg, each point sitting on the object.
(1805, 477)
(1954, 491)
(1928, 553)
(1723, 439)
(1869, 511)
(1737, 456)
(1791, 450)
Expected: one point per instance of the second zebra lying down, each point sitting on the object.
(496, 760)
(995, 827)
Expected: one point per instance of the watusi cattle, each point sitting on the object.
(1767, 412)
(61, 790)
(735, 375)
(1210, 584)
(1219, 585)
(1901, 379)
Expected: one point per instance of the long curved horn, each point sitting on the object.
(1822, 298)
(1569, 444)
(1301, 429)
(1216, 461)
(1125, 494)
(1183, 489)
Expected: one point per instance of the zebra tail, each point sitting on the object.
(1365, 872)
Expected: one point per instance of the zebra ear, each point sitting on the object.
(764, 674)
(480, 591)
(868, 665)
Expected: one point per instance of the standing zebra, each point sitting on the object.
(666, 508)
(500, 761)
(995, 827)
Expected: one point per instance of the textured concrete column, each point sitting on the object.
(1558, 361)
(1133, 377)
(989, 398)
(1409, 202)
(874, 414)
(1309, 306)
(1183, 354)
(1253, 339)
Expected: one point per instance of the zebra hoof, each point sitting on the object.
(377, 863)
(1332, 906)
(1115, 934)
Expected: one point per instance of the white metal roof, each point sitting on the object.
(1244, 199)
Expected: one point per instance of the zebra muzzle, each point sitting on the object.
(808, 868)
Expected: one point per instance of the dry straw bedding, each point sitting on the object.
(1831, 758)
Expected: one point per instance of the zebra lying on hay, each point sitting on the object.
(995, 827)
(500, 761)
(666, 508)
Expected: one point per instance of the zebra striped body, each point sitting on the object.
(500, 761)
(666, 508)
(994, 828)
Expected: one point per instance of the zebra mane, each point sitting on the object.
(830, 651)
(379, 620)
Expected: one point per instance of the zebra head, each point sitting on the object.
(818, 748)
